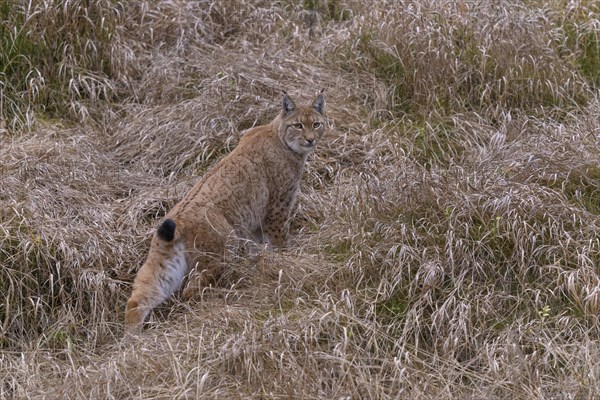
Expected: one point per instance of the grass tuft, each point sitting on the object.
(452, 57)
(58, 57)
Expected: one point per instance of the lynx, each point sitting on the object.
(247, 195)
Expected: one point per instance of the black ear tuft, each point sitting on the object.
(288, 104)
(319, 104)
(166, 230)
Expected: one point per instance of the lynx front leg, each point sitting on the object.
(159, 277)
(277, 235)
(276, 228)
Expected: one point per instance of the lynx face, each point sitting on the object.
(302, 127)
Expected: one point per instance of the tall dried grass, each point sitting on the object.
(445, 244)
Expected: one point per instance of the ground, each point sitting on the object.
(445, 242)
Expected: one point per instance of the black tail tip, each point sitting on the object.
(166, 230)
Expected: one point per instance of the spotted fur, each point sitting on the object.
(248, 194)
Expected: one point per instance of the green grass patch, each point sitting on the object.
(54, 57)
(394, 308)
(390, 69)
(339, 251)
(589, 58)
(579, 41)
(434, 145)
(334, 10)
(33, 285)
(581, 186)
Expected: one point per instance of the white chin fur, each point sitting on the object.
(298, 148)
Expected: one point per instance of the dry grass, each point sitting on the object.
(446, 241)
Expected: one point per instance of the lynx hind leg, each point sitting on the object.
(214, 247)
(201, 278)
(160, 276)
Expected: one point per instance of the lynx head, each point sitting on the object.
(300, 128)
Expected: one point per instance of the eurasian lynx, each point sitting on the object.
(248, 194)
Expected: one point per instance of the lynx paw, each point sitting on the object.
(195, 290)
(191, 292)
(134, 316)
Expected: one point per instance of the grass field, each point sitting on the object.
(445, 244)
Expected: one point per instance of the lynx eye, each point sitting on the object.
(298, 125)
(317, 125)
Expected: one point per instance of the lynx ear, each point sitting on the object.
(319, 104)
(288, 104)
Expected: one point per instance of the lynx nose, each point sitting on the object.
(310, 141)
